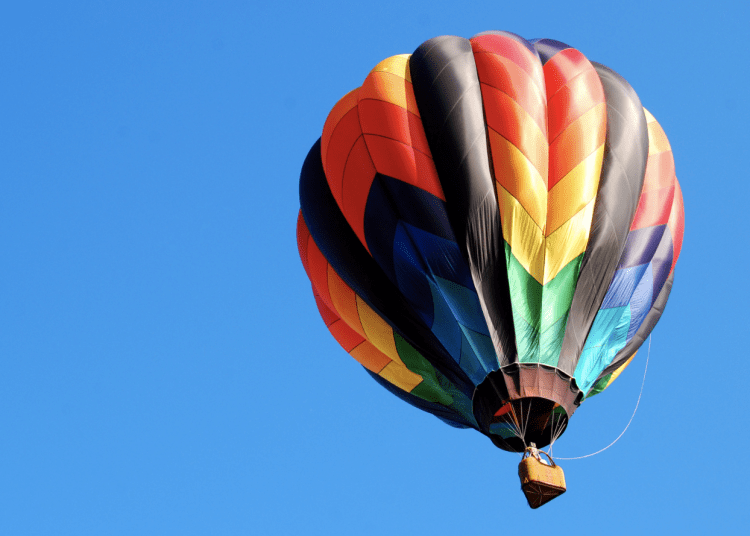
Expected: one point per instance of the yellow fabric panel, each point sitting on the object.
(345, 103)
(649, 118)
(567, 242)
(526, 239)
(518, 176)
(657, 139)
(400, 376)
(574, 190)
(370, 357)
(377, 330)
(391, 88)
(345, 301)
(398, 65)
(619, 370)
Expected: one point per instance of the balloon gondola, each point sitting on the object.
(491, 227)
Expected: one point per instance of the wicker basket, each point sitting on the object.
(540, 482)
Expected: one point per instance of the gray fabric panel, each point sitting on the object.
(447, 91)
(623, 171)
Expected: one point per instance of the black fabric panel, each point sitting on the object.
(623, 171)
(341, 247)
(652, 317)
(448, 95)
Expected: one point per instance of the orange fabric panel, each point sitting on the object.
(573, 100)
(319, 273)
(370, 357)
(358, 176)
(659, 171)
(514, 51)
(658, 141)
(578, 141)
(344, 301)
(389, 87)
(507, 118)
(504, 75)
(402, 162)
(343, 138)
(342, 107)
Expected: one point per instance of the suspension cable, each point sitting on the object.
(631, 417)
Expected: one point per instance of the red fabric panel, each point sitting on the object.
(562, 68)
(502, 74)
(511, 49)
(318, 271)
(402, 162)
(659, 171)
(329, 317)
(391, 121)
(574, 99)
(345, 336)
(576, 142)
(358, 176)
(343, 138)
(303, 235)
(676, 223)
(654, 207)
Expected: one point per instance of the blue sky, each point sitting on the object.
(163, 366)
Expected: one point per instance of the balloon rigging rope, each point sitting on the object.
(631, 417)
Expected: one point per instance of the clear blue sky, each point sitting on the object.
(163, 369)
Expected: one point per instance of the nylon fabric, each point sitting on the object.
(488, 222)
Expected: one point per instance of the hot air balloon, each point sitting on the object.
(491, 227)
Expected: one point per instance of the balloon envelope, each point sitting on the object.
(490, 227)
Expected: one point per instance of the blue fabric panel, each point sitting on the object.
(479, 350)
(411, 280)
(611, 330)
(622, 286)
(641, 302)
(442, 256)
(464, 303)
(471, 362)
(444, 325)
(641, 246)
(662, 263)
(548, 48)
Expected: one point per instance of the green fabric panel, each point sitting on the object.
(599, 386)
(434, 387)
(540, 313)
(527, 338)
(429, 388)
(550, 341)
(525, 291)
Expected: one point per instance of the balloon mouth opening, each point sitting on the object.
(521, 422)
(524, 403)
